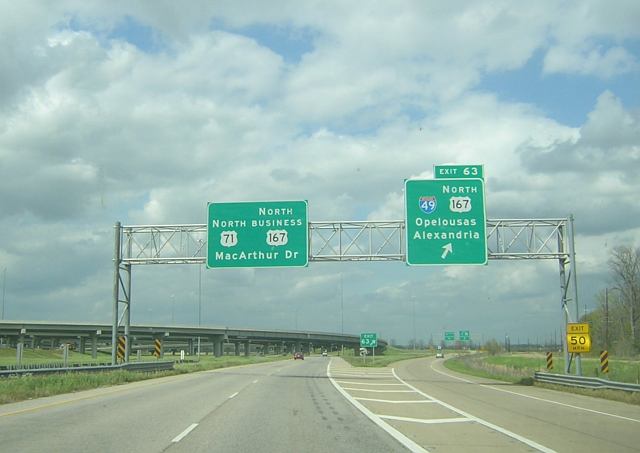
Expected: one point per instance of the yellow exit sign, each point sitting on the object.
(578, 342)
(576, 327)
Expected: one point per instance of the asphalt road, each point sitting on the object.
(296, 406)
(494, 416)
(288, 406)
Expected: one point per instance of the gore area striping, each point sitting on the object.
(397, 435)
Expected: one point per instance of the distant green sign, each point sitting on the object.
(368, 340)
(449, 336)
(458, 171)
(464, 335)
(445, 221)
(257, 234)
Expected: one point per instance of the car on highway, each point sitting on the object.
(440, 354)
(298, 355)
(324, 353)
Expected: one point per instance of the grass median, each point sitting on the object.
(20, 388)
(389, 356)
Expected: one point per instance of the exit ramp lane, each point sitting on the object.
(448, 412)
(420, 421)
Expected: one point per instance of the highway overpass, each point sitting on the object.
(86, 337)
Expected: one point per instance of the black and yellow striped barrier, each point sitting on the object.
(157, 347)
(604, 361)
(122, 342)
(549, 360)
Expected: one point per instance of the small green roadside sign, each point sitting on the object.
(458, 171)
(449, 336)
(464, 335)
(368, 340)
(445, 221)
(257, 234)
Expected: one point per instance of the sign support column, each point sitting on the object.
(572, 257)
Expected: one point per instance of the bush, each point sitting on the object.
(493, 347)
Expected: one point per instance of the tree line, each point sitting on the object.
(615, 323)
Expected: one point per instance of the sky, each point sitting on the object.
(143, 112)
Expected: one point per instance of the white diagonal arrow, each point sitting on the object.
(448, 248)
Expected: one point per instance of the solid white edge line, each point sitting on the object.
(397, 435)
(180, 436)
(504, 431)
(538, 398)
(234, 395)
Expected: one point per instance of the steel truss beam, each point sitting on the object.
(507, 239)
(348, 241)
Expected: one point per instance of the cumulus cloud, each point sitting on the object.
(99, 125)
(603, 63)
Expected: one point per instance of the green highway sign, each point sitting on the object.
(368, 340)
(449, 336)
(464, 335)
(257, 234)
(458, 171)
(445, 221)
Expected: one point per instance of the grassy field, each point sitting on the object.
(481, 366)
(38, 356)
(519, 369)
(390, 355)
(15, 389)
(619, 369)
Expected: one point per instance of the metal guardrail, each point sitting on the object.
(35, 366)
(584, 382)
(146, 367)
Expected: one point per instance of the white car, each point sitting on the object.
(440, 354)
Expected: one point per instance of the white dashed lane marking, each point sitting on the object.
(180, 436)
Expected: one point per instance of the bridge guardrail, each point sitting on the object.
(132, 366)
(584, 382)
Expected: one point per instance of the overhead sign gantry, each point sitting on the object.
(232, 239)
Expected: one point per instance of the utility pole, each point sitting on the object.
(606, 319)
(413, 299)
(173, 309)
(4, 287)
(341, 305)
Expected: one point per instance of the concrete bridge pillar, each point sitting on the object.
(217, 347)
